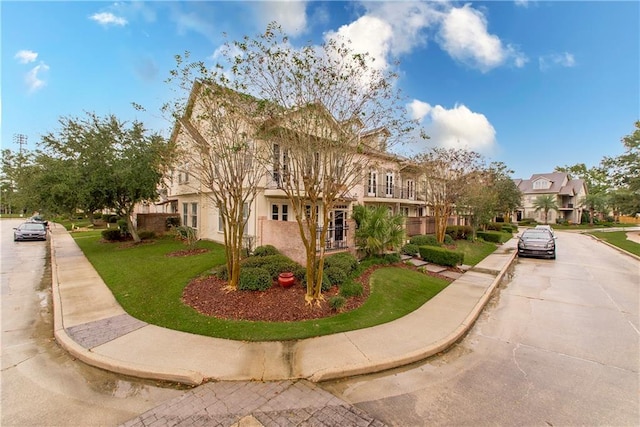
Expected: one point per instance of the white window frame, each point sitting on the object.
(388, 184)
(373, 183)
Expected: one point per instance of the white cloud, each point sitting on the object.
(522, 3)
(26, 56)
(457, 127)
(464, 36)
(556, 59)
(290, 14)
(33, 78)
(418, 109)
(368, 34)
(108, 18)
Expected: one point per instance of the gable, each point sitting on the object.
(541, 184)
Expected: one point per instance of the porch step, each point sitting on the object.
(418, 262)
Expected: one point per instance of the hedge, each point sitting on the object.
(424, 240)
(459, 232)
(441, 256)
(493, 236)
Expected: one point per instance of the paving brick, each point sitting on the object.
(274, 404)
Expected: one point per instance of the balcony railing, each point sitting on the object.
(389, 192)
(336, 238)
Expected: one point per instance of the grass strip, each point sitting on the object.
(619, 239)
(149, 285)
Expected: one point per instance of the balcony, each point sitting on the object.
(384, 191)
(566, 207)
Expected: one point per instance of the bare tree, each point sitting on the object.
(318, 101)
(447, 173)
(215, 131)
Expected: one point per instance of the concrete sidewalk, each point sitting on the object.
(91, 325)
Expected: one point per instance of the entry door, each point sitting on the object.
(338, 224)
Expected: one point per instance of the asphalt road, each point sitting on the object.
(41, 384)
(559, 345)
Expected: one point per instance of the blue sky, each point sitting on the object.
(530, 83)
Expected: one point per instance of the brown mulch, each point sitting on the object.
(208, 296)
(187, 252)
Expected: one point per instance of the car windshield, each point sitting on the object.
(32, 227)
(536, 234)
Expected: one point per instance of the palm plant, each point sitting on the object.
(378, 230)
(545, 203)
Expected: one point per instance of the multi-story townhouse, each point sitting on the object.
(568, 193)
(384, 179)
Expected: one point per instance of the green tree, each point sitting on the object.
(448, 174)
(101, 162)
(595, 203)
(378, 230)
(625, 173)
(545, 203)
(509, 198)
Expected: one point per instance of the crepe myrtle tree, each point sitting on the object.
(215, 138)
(315, 104)
(448, 174)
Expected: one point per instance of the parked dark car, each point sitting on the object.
(537, 242)
(30, 231)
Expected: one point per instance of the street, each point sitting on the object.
(558, 345)
(41, 384)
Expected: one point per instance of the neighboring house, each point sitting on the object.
(569, 194)
(386, 179)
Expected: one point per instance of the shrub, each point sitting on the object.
(425, 240)
(351, 289)
(335, 275)
(97, 216)
(337, 302)
(448, 240)
(111, 235)
(124, 227)
(187, 234)
(496, 226)
(392, 258)
(459, 232)
(274, 264)
(441, 256)
(344, 261)
(491, 236)
(147, 235)
(266, 250)
(410, 249)
(222, 272)
(172, 221)
(507, 228)
(254, 279)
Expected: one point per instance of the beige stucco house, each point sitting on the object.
(569, 194)
(384, 179)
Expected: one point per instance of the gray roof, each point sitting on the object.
(561, 184)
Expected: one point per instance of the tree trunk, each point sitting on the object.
(132, 230)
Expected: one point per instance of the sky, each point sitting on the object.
(532, 84)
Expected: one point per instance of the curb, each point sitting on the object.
(90, 358)
(622, 251)
(418, 355)
(194, 378)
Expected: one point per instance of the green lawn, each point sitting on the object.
(474, 252)
(619, 239)
(149, 286)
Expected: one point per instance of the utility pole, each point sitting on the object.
(20, 139)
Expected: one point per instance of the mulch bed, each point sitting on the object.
(208, 296)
